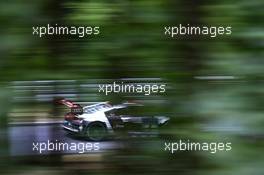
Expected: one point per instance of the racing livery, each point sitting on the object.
(95, 122)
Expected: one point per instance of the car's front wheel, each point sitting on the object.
(96, 131)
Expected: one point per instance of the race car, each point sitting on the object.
(96, 122)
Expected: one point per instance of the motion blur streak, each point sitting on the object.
(208, 108)
(33, 101)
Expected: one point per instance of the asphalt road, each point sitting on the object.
(22, 139)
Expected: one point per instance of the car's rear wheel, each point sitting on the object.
(96, 131)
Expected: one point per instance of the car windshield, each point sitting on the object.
(96, 108)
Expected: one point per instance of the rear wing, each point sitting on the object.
(103, 106)
(75, 108)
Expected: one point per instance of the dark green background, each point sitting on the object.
(132, 44)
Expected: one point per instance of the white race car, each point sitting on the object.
(96, 122)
